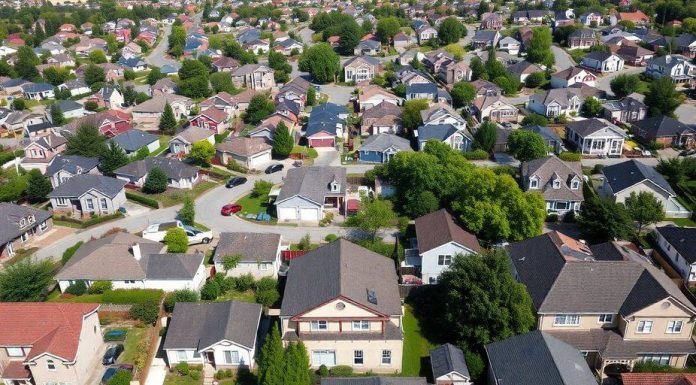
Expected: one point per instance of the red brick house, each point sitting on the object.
(213, 119)
(110, 123)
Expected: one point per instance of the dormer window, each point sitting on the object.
(556, 184)
(22, 222)
(574, 184)
(32, 219)
(335, 186)
(533, 183)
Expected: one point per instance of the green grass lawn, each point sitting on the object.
(415, 346)
(176, 379)
(174, 196)
(234, 295)
(130, 345)
(255, 205)
(164, 145)
(683, 222)
(307, 151)
(85, 298)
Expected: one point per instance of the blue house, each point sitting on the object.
(457, 138)
(326, 122)
(380, 148)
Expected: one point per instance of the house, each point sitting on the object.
(37, 91)
(266, 129)
(556, 102)
(385, 118)
(625, 178)
(131, 262)
(41, 347)
(424, 31)
(368, 47)
(40, 152)
(596, 137)
(132, 63)
(109, 97)
(442, 113)
(259, 254)
(455, 137)
(223, 101)
(286, 46)
(484, 39)
(310, 192)
(215, 120)
(646, 317)
(20, 226)
(353, 296)
(657, 378)
(559, 182)
(221, 334)
(602, 62)
(495, 108)
(686, 44)
(182, 142)
(254, 77)
(491, 20)
(677, 67)
(70, 109)
(530, 16)
(179, 174)
(439, 239)
(252, 153)
(510, 45)
(664, 130)
(373, 95)
(326, 122)
(380, 148)
(448, 366)
(486, 88)
(148, 113)
(522, 69)
(109, 123)
(536, 357)
(626, 110)
(452, 71)
(76, 87)
(551, 138)
(582, 39)
(637, 17)
(360, 68)
(632, 53)
(63, 167)
(165, 85)
(88, 194)
(435, 59)
(591, 19)
(295, 90)
(401, 41)
(428, 91)
(678, 244)
(133, 140)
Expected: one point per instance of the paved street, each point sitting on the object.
(158, 56)
(686, 112)
(604, 81)
(563, 60)
(306, 35)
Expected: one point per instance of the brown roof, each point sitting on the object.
(658, 378)
(215, 114)
(251, 247)
(243, 146)
(438, 228)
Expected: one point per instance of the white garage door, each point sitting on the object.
(287, 213)
(309, 214)
(260, 160)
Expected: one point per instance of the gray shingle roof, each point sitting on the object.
(382, 142)
(373, 381)
(341, 268)
(251, 247)
(439, 132)
(312, 183)
(438, 228)
(682, 239)
(446, 359)
(200, 325)
(174, 169)
(546, 169)
(661, 126)
(631, 172)
(80, 184)
(74, 164)
(133, 140)
(590, 126)
(10, 216)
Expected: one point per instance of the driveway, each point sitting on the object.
(158, 57)
(306, 35)
(563, 59)
(327, 157)
(686, 112)
(340, 95)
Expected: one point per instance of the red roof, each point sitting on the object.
(47, 327)
(16, 370)
(215, 114)
(658, 378)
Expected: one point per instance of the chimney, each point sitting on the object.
(136, 251)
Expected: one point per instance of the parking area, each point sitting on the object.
(134, 209)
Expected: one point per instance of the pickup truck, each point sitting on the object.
(157, 231)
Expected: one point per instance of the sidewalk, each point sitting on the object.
(158, 369)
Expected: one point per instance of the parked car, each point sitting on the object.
(235, 181)
(112, 354)
(230, 209)
(112, 370)
(274, 168)
(196, 236)
(507, 125)
(687, 152)
(157, 231)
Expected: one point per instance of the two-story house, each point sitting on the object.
(342, 301)
(360, 68)
(64, 167)
(626, 110)
(254, 76)
(559, 182)
(677, 67)
(596, 137)
(582, 39)
(679, 245)
(39, 153)
(602, 62)
(87, 195)
(424, 31)
(20, 225)
(442, 113)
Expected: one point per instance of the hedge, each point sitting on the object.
(149, 202)
(131, 296)
(476, 155)
(95, 220)
(69, 252)
(569, 156)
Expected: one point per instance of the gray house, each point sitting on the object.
(19, 225)
(88, 194)
(559, 182)
(179, 174)
(132, 141)
(259, 254)
(382, 147)
(309, 192)
(449, 366)
(64, 167)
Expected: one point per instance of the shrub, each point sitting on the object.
(552, 218)
(95, 220)
(261, 189)
(570, 156)
(323, 371)
(155, 182)
(569, 217)
(69, 252)
(228, 373)
(225, 283)
(77, 288)
(211, 290)
(328, 218)
(195, 375)
(100, 287)
(475, 364)
(478, 154)
(122, 377)
(146, 312)
(597, 169)
(176, 240)
(341, 371)
(182, 368)
(235, 166)
(244, 282)
(267, 297)
(149, 202)
(266, 283)
(330, 237)
(131, 296)
(179, 296)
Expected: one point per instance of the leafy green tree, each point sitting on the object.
(463, 93)
(411, 117)
(321, 62)
(539, 47)
(282, 141)
(450, 31)
(202, 152)
(663, 98)
(154, 75)
(25, 281)
(12, 186)
(486, 136)
(645, 209)
(211, 290)
(222, 82)
(195, 87)
(19, 104)
(7, 70)
(478, 69)
(311, 96)
(350, 35)
(535, 79)
(527, 145)
(373, 215)
(602, 220)
(38, 186)
(155, 182)
(179, 296)
(230, 262)
(387, 28)
(168, 121)
(97, 56)
(535, 120)
(146, 312)
(129, 75)
(259, 108)
(625, 84)
(57, 117)
(94, 74)
(279, 62)
(271, 367)
(56, 75)
(508, 83)
(296, 368)
(176, 240)
(187, 214)
(113, 158)
(87, 141)
(592, 108)
(26, 62)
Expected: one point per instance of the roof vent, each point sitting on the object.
(371, 296)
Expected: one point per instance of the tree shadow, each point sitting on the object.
(426, 302)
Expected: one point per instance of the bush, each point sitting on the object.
(552, 218)
(266, 283)
(211, 290)
(77, 288)
(475, 364)
(182, 368)
(267, 297)
(95, 220)
(225, 283)
(330, 237)
(476, 155)
(569, 217)
(69, 252)
(122, 377)
(100, 287)
(328, 218)
(146, 312)
(131, 296)
(228, 373)
(341, 371)
(195, 375)
(149, 202)
(244, 282)
(569, 156)
(176, 240)
(179, 296)
(323, 371)
(235, 166)
(597, 169)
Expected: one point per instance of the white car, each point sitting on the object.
(157, 231)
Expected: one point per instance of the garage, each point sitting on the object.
(309, 214)
(321, 142)
(259, 161)
(287, 213)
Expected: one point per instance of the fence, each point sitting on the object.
(289, 255)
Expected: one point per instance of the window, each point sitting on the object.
(196, 354)
(231, 357)
(605, 318)
(264, 266)
(556, 184)
(575, 184)
(566, 320)
(22, 222)
(181, 355)
(43, 226)
(62, 201)
(103, 204)
(25, 237)
(50, 365)
(444, 260)
(674, 327)
(361, 325)
(644, 327)
(318, 325)
(90, 204)
(534, 183)
(324, 357)
(357, 357)
(656, 358)
(15, 352)
(31, 219)
(386, 357)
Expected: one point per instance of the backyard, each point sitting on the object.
(130, 345)
(416, 347)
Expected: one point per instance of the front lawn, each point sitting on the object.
(174, 196)
(130, 345)
(308, 152)
(416, 347)
(682, 222)
(254, 205)
(176, 379)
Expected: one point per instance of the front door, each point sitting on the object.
(210, 357)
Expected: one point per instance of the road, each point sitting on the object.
(158, 57)
(306, 35)
(605, 80)
(563, 59)
(686, 112)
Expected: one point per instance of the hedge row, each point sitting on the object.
(569, 156)
(476, 155)
(91, 221)
(9, 156)
(149, 202)
(131, 296)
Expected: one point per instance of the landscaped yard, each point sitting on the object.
(306, 151)
(255, 205)
(174, 196)
(683, 222)
(415, 346)
(234, 295)
(176, 379)
(130, 345)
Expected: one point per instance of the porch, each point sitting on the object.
(601, 146)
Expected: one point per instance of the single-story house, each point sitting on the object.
(182, 142)
(596, 137)
(664, 130)
(381, 148)
(309, 192)
(259, 254)
(133, 140)
(179, 174)
(252, 153)
(88, 194)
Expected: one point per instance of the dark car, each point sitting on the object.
(112, 370)
(274, 168)
(112, 354)
(236, 181)
(230, 209)
(507, 125)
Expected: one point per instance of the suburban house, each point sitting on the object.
(678, 244)
(110, 123)
(455, 137)
(439, 239)
(453, 71)
(631, 52)
(64, 167)
(287, 45)
(596, 137)
(108, 97)
(225, 64)
(522, 69)
(308, 193)
(37, 91)
(510, 45)
(629, 109)
(428, 91)
(213, 119)
(448, 366)
(373, 95)
(424, 31)
(591, 19)
(342, 301)
(558, 181)
(326, 122)
(401, 41)
(677, 67)
(360, 68)
(646, 317)
(88, 194)
(664, 130)
(148, 113)
(384, 118)
(179, 174)
(530, 16)
(252, 153)
(48, 343)
(551, 138)
(380, 148)
(442, 113)
(259, 254)
(221, 334)
(623, 179)
(602, 62)
(486, 88)
(181, 144)
(370, 46)
(70, 109)
(582, 39)
(223, 101)
(494, 108)
(491, 20)
(657, 378)
(686, 44)
(536, 357)
(638, 17)
(266, 129)
(556, 102)
(20, 226)
(254, 77)
(485, 39)
(132, 262)
(40, 152)
(132, 141)
(76, 87)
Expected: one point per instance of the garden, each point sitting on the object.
(256, 204)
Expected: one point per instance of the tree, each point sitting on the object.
(202, 152)
(535, 120)
(602, 220)
(57, 117)
(450, 31)
(129, 75)
(38, 186)
(113, 158)
(349, 35)
(94, 74)
(463, 93)
(297, 371)
(645, 209)
(25, 281)
(527, 145)
(478, 69)
(485, 136)
(154, 75)
(87, 141)
(222, 82)
(56, 75)
(176, 240)
(411, 117)
(146, 312)
(321, 62)
(259, 108)
(26, 62)
(12, 186)
(187, 214)
(155, 182)
(168, 121)
(663, 98)
(195, 87)
(97, 56)
(19, 104)
(279, 62)
(179, 296)
(387, 27)
(539, 47)
(282, 141)
(311, 96)
(271, 360)
(373, 215)
(230, 262)
(624, 85)
(592, 108)
(535, 79)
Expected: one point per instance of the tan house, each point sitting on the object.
(495, 108)
(252, 153)
(254, 76)
(605, 300)
(49, 343)
(148, 114)
(343, 302)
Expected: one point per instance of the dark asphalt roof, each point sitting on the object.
(133, 140)
(631, 172)
(252, 247)
(174, 169)
(373, 381)
(312, 183)
(446, 359)
(325, 117)
(74, 164)
(683, 239)
(80, 184)
(10, 216)
(382, 142)
(661, 126)
(439, 132)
